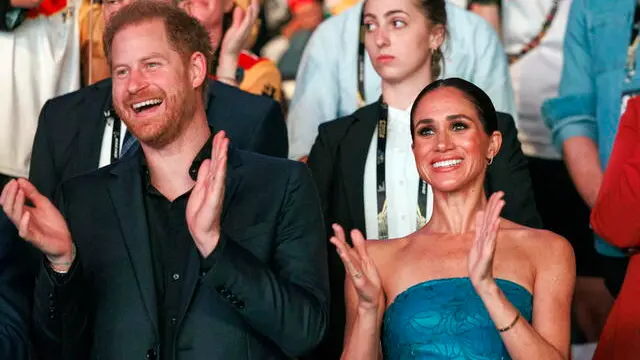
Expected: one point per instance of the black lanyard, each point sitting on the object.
(383, 222)
(381, 187)
(111, 116)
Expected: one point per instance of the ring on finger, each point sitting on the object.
(357, 275)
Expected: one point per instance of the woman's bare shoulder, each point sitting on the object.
(542, 245)
(381, 251)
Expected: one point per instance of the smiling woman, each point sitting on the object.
(363, 164)
(467, 140)
(467, 283)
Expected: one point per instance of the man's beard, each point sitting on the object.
(161, 130)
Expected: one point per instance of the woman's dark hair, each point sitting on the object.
(479, 99)
(436, 12)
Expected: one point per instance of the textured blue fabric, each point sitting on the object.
(446, 319)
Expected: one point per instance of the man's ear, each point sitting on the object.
(197, 69)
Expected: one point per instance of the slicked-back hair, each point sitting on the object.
(185, 34)
(480, 100)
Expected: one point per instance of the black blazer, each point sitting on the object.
(70, 129)
(266, 297)
(15, 302)
(337, 162)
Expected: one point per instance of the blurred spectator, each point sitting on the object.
(41, 60)
(287, 46)
(337, 7)
(230, 28)
(598, 77)
(93, 61)
(328, 85)
(615, 218)
(305, 15)
(534, 37)
(274, 14)
(487, 9)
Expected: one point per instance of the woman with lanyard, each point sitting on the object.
(363, 164)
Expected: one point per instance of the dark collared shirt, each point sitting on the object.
(171, 244)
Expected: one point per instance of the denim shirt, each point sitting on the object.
(593, 79)
(326, 83)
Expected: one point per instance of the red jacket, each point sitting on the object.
(616, 217)
(293, 4)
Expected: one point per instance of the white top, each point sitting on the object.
(39, 60)
(401, 177)
(535, 76)
(107, 140)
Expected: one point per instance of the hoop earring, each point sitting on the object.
(490, 161)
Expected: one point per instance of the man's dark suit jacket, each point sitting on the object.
(15, 303)
(70, 129)
(337, 161)
(266, 297)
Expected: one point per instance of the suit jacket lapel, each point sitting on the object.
(125, 189)
(92, 124)
(353, 154)
(233, 179)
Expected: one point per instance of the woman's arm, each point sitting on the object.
(362, 328)
(572, 115)
(615, 214)
(548, 337)
(364, 298)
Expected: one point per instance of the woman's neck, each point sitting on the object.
(455, 212)
(401, 94)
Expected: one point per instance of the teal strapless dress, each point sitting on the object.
(446, 319)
